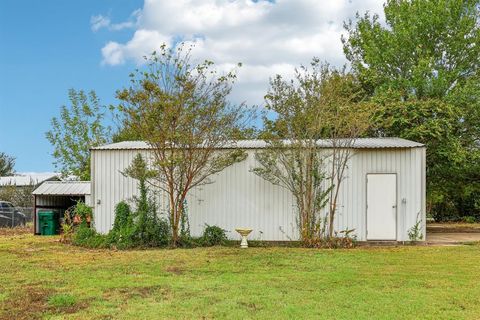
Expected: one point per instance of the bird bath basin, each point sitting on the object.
(244, 232)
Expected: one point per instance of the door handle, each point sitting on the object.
(394, 206)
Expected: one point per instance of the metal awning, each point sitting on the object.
(63, 188)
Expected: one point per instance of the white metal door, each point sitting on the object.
(381, 206)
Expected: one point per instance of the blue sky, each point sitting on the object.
(49, 46)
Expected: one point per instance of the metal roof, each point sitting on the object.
(63, 188)
(361, 143)
(28, 179)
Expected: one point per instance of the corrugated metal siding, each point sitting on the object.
(63, 188)
(408, 166)
(239, 198)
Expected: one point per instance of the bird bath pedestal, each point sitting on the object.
(244, 232)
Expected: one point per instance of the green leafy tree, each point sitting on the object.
(292, 159)
(319, 103)
(125, 134)
(7, 164)
(181, 110)
(343, 116)
(421, 69)
(78, 128)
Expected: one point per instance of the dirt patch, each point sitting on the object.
(250, 306)
(70, 309)
(176, 270)
(137, 292)
(29, 303)
(7, 232)
(32, 303)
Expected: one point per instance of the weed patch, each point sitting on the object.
(20, 230)
(62, 300)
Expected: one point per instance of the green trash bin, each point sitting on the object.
(48, 223)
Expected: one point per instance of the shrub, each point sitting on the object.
(150, 230)
(122, 235)
(67, 226)
(83, 212)
(339, 242)
(343, 239)
(469, 219)
(213, 236)
(79, 214)
(185, 239)
(82, 234)
(156, 232)
(87, 237)
(123, 238)
(415, 232)
(123, 216)
(141, 228)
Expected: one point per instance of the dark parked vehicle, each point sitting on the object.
(10, 216)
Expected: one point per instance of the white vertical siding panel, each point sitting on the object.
(103, 200)
(406, 194)
(351, 213)
(402, 208)
(423, 203)
(362, 175)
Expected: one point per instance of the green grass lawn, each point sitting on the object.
(42, 278)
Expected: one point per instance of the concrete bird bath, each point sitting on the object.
(244, 232)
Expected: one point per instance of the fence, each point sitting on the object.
(27, 211)
(11, 217)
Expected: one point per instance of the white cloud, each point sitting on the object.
(98, 22)
(267, 37)
(142, 44)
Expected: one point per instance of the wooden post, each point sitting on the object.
(34, 214)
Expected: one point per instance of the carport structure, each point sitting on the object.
(59, 196)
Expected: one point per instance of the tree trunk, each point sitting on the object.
(174, 236)
(173, 222)
(331, 219)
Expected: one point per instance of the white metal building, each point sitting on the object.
(388, 174)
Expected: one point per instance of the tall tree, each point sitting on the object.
(343, 117)
(292, 159)
(7, 164)
(181, 110)
(421, 68)
(79, 128)
(319, 103)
